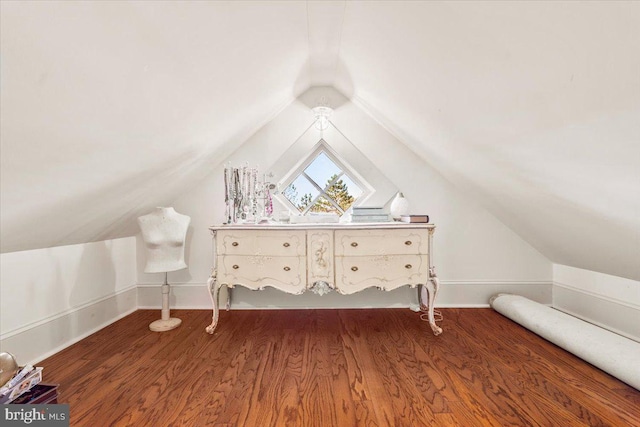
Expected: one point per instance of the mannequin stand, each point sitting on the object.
(166, 323)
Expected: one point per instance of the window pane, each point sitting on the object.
(322, 169)
(341, 193)
(354, 190)
(323, 205)
(300, 193)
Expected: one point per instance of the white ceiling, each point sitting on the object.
(533, 108)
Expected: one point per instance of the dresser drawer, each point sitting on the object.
(272, 242)
(385, 271)
(258, 271)
(381, 242)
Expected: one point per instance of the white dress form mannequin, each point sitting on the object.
(164, 232)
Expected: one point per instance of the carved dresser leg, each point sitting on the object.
(214, 292)
(422, 295)
(431, 289)
(229, 295)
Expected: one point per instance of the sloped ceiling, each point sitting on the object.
(112, 108)
(533, 108)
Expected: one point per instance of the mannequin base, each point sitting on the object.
(165, 325)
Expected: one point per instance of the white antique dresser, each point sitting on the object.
(346, 258)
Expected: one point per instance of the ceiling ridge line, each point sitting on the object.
(308, 39)
(335, 66)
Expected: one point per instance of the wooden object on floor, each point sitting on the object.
(333, 368)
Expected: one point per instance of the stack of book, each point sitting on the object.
(415, 218)
(374, 214)
(22, 382)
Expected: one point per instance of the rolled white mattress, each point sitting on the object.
(613, 353)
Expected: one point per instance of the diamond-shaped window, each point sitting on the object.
(323, 186)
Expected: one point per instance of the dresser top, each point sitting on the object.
(326, 226)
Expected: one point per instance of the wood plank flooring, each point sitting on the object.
(328, 368)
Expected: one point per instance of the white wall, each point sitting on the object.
(52, 297)
(475, 255)
(608, 301)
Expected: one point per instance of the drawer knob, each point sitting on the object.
(287, 268)
(408, 243)
(236, 266)
(407, 266)
(286, 244)
(234, 244)
(354, 244)
(354, 268)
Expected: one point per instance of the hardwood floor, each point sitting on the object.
(333, 368)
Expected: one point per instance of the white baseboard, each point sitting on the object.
(476, 294)
(452, 294)
(33, 343)
(181, 296)
(612, 314)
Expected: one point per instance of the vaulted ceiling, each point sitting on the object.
(532, 108)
